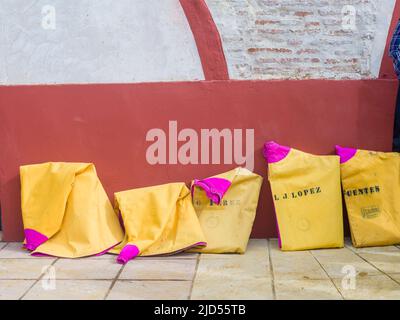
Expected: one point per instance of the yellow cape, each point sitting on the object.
(371, 188)
(65, 210)
(307, 198)
(226, 205)
(157, 220)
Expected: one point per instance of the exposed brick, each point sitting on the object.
(297, 39)
(303, 13)
(263, 22)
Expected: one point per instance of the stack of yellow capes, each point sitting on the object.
(307, 198)
(226, 205)
(157, 220)
(65, 210)
(371, 187)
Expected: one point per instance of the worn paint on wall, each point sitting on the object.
(298, 39)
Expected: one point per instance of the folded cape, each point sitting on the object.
(371, 188)
(157, 220)
(307, 198)
(65, 210)
(226, 205)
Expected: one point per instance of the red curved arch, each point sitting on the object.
(208, 40)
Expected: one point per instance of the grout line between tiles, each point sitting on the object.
(88, 279)
(333, 282)
(166, 280)
(114, 281)
(29, 258)
(194, 276)
(374, 266)
(37, 280)
(271, 270)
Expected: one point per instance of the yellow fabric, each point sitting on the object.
(371, 186)
(158, 219)
(308, 202)
(67, 203)
(227, 226)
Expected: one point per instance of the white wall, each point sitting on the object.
(96, 41)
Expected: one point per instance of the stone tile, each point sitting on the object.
(386, 263)
(257, 249)
(235, 276)
(295, 265)
(23, 268)
(15, 250)
(377, 250)
(235, 267)
(386, 259)
(337, 261)
(70, 290)
(395, 277)
(257, 289)
(373, 287)
(14, 289)
(181, 255)
(87, 269)
(2, 245)
(306, 290)
(142, 269)
(146, 290)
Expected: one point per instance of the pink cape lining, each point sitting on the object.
(215, 188)
(274, 152)
(345, 154)
(33, 239)
(127, 253)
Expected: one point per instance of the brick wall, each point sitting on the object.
(302, 39)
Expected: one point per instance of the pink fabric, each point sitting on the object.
(33, 239)
(345, 154)
(215, 188)
(127, 253)
(274, 152)
(40, 254)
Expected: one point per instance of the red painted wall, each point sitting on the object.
(107, 124)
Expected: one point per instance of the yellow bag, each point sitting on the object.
(65, 210)
(307, 198)
(158, 220)
(226, 205)
(371, 187)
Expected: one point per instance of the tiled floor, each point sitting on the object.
(263, 272)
